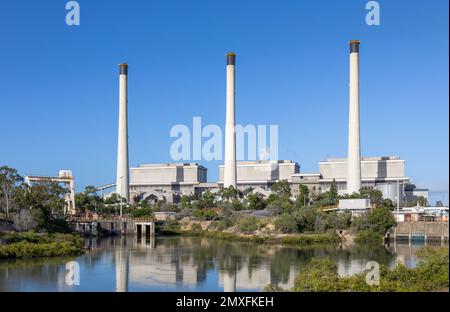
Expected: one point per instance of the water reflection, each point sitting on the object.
(190, 264)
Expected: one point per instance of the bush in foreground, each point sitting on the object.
(431, 274)
(33, 245)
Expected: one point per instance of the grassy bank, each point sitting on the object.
(295, 239)
(35, 245)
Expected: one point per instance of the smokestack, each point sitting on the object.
(122, 185)
(354, 147)
(230, 134)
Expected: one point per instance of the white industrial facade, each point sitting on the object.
(167, 182)
(386, 174)
(262, 173)
(170, 181)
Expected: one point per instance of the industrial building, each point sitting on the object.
(382, 173)
(262, 173)
(167, 182)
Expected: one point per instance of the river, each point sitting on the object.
(187, 264)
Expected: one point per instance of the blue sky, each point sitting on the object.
(59, 103)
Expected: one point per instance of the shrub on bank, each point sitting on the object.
(286, 224)
(142, 213)
(23, 250)
(247, 224)
(431, 274)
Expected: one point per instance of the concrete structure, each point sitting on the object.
(139, 226)
(262, 173)
(230, 133)
(420, 231)
(167, 182)
(354, 148)
(122, 181)
(65, 177)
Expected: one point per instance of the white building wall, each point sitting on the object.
(371, 168)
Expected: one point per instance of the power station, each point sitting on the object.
(168, 182)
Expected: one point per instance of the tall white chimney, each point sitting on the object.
(122, 182)
(230, 134)
(354, 147)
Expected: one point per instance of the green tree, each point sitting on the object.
(305, 218)
(439, 204)
(256, 202)
(421, 201)
(228, 193)
(207, 200)
(374, 225)
(333, 192)
(303, 196)
(376, 197)
(46, 201)
(9, 181)
(185, 202)
(282, 189)
(89, 200)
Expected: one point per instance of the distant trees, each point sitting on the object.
(421, 201)
(10, 180)
(439, 204)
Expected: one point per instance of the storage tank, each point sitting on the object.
(65, 174)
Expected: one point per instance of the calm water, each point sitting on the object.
(188, 264)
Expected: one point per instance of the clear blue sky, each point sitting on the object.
(59, 84)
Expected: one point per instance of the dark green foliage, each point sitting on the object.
(303, 196)
(421, 201)
(286, 223)
(256, 202)
(171, 226)
(205, 214)
(305, 218)
(374, 225)
(282, 189)
(247, 224)
(318, 276)
(142, 213)
(431, 274)
(33, 245)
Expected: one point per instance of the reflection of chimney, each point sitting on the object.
(122, 185)
(354, 147)
(229, 281)
(230, 134)
(122, 259)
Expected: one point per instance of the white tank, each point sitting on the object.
(65, 174)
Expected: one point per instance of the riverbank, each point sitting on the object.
(26, 245)
(283, 239)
